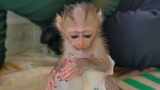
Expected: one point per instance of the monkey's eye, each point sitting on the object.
(74, 36)
(87, 35)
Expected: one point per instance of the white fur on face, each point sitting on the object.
(79, 14)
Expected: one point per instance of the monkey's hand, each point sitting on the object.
(51, 81)
(72, 68)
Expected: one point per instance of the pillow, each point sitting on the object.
(134, 38)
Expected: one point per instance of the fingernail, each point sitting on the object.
(60, 71)
(54, 71)
(69, 60)
(58, 77)
(54, 86)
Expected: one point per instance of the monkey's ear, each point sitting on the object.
(58, 22)
(99, 14)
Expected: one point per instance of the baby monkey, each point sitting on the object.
(80, 28)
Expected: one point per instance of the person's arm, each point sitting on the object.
(107, 6)
(3, 27)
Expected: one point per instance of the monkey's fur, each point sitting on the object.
(85, 18)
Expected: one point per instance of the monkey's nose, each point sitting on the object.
(80, 47)
(81, 43)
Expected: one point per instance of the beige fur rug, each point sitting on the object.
(26, 71)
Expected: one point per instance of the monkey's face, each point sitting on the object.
(80, 32)
(79, 25)
(80, 39)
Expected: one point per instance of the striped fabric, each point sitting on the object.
(147, 81)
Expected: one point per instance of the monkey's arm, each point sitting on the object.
(104, 64)
(100, 58)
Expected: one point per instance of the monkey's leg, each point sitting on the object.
(111, 83)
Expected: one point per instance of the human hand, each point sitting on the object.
(72, 68)
(51, 81)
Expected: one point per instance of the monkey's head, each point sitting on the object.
(80, 24)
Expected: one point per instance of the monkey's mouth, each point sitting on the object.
(81, 49)
(78, 49)
(81, 54)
